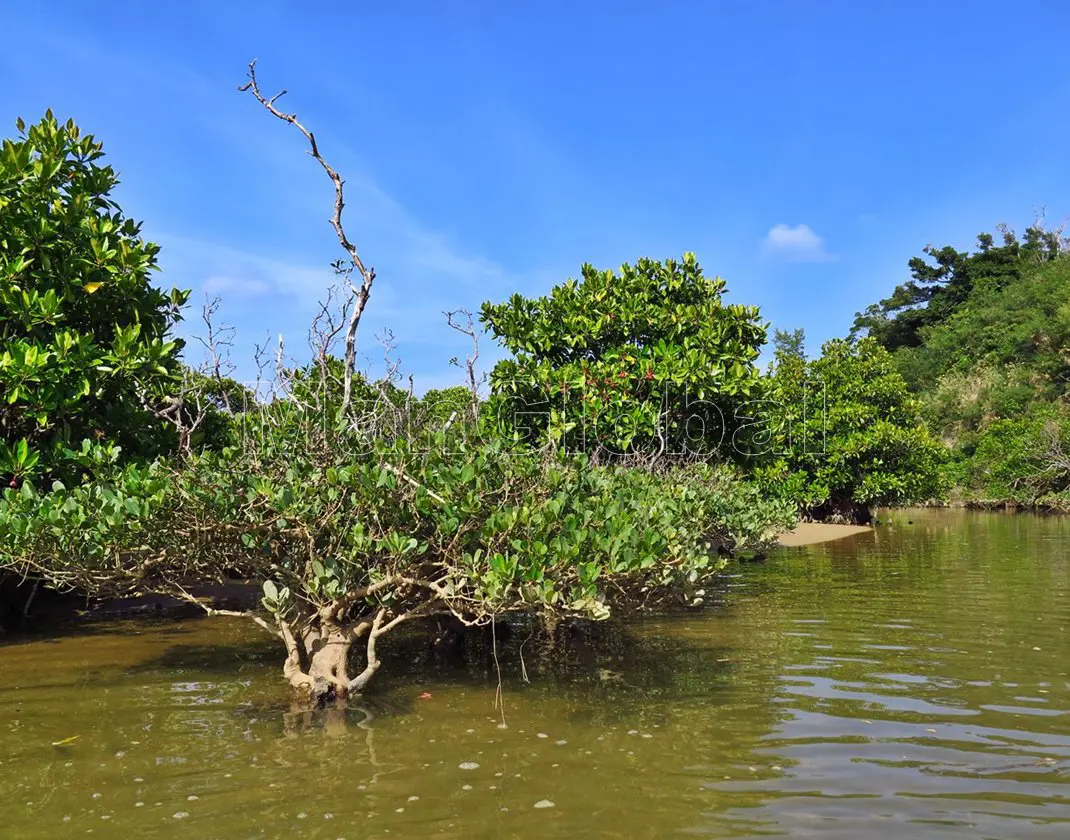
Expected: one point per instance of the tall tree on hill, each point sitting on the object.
(942, 280)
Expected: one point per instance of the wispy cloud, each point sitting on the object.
(795, 244)
(410, 244)
(221, 269)
(239, 287)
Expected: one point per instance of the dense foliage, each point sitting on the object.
(936, 292)
(347, 544)
(845, 433)
(650, 359)
(85, 351)
(350, 505)
(991, 365)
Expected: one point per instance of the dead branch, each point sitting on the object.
(404, 476)
(217, 343)
(467, 327)
(367, 274)
(183, 594)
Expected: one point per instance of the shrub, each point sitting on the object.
(347, 544)
(846, 434)
(648, 359)
(84, 346)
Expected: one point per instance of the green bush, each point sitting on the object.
(1021, 459)
(982, 339)
(346, 544)
(645, 360)
(846, 434)
(84, 346)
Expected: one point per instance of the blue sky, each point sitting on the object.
(804, 151)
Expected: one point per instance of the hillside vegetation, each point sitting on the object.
(983, 339)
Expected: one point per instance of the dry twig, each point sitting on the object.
(367, 274)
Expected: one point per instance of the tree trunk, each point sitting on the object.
(317, 661)
(841, 512)
(328, 665)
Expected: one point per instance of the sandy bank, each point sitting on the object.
(808, 533)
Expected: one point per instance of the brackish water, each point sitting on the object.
(906, 683)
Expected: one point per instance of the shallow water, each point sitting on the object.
(910, 682)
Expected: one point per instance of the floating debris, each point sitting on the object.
(467, 765)
(544, 803)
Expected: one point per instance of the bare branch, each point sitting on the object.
(367, 274)
(404, 476)
(185, 595)
(467, 327)
(217, 344)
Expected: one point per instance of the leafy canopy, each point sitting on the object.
(987, 355)
(936, 292)
(846, 433)
(345, 542)
(84, 346)
(617, 361)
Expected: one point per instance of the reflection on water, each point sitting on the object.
(911, 683)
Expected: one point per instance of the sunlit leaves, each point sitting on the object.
(846, 431)
(485, 528)
(83, 333)
(623, 360)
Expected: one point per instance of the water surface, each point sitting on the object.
(910, 682)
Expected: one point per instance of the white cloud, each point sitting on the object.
(796, 244)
